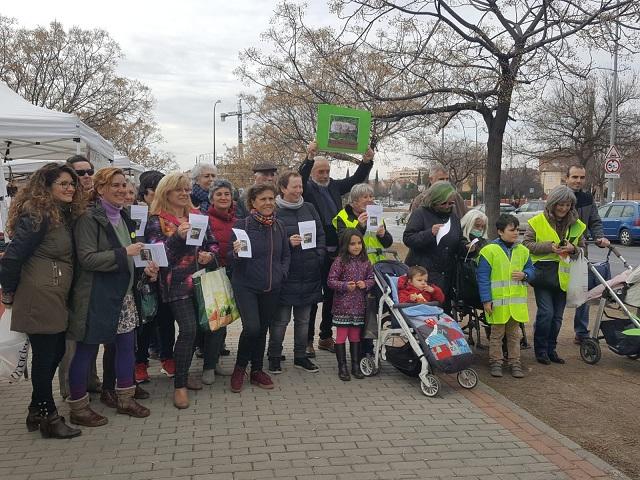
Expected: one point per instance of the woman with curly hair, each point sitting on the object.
(102, 307)
(39, 260)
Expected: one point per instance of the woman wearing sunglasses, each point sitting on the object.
(421, 236)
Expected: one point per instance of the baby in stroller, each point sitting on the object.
(414, 287)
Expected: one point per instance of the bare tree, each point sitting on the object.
(462, 158)
(74, 71)
(440, 57)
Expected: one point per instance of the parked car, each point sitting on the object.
(621, 221)
(527, 211)
(504, 208)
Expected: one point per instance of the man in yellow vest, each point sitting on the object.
(504, 268)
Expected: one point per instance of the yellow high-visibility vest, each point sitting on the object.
(509, 297)
(545, 233)
(371, 240)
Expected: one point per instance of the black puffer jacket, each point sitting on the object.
(268, 266)
(439, 259)
(303, 285)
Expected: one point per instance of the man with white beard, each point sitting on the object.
(325, 193)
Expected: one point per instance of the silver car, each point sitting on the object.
(527, 211)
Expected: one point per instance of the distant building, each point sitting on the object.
(553, 169)
(406, 174)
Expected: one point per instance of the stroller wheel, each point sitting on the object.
(590, 351)
(467, 378)
(634, 357)
(367, 366)
(430, 385)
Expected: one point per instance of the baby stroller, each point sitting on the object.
(614, 323)
(434, 341)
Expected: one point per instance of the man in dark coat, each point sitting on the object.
(588, 213)
(262, 173)
(325, 193)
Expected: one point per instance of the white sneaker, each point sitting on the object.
(208, 376)
(223, 371)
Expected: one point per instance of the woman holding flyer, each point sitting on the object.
(260, 255)
(355, 215)
(102, 306)
(169, 224)
(434, 237)
(303, 286)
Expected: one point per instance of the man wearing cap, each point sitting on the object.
(325, 193)
(262, 173)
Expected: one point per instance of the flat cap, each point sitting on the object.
(265, 167)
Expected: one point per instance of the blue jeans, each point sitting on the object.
(550, 305)
(581, 321)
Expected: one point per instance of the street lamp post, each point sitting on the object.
(214, 129)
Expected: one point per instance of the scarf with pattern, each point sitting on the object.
(263, 219)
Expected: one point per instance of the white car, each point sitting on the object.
(527, 211)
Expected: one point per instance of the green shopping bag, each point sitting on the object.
(214, 298)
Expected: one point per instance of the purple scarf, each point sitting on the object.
(113, 211)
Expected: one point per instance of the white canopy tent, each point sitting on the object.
(37, 133)
(123, 162)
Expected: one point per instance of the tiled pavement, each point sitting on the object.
(311, 426)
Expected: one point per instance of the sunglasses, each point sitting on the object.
(82, 173)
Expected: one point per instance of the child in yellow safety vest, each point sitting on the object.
(504, 268)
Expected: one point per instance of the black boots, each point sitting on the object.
(354, 348)
(34, 418)
(341, 356)
(51, 424)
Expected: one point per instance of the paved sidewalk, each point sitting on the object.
(311, 426)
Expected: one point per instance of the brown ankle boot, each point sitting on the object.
(81, 413)
(53, 425)
(141, 393)
(128, 405)
(108, 397)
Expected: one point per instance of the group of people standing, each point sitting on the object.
(73, 242)
(504, 265)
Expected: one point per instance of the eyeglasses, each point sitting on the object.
(448, 204)
(65, 185)
(82, 173)
(181, 190)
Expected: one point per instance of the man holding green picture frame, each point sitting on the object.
(325, 193)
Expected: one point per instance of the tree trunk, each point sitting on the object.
(495, 126)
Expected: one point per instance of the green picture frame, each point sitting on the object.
(342, 129)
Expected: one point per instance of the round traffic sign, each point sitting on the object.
(612, 166)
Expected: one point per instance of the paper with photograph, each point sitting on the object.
(139, 215)
(151, 252)
(308, 233)
(198, 229)
(374, 217)
(243, 238)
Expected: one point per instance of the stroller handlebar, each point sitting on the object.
(617, 253)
